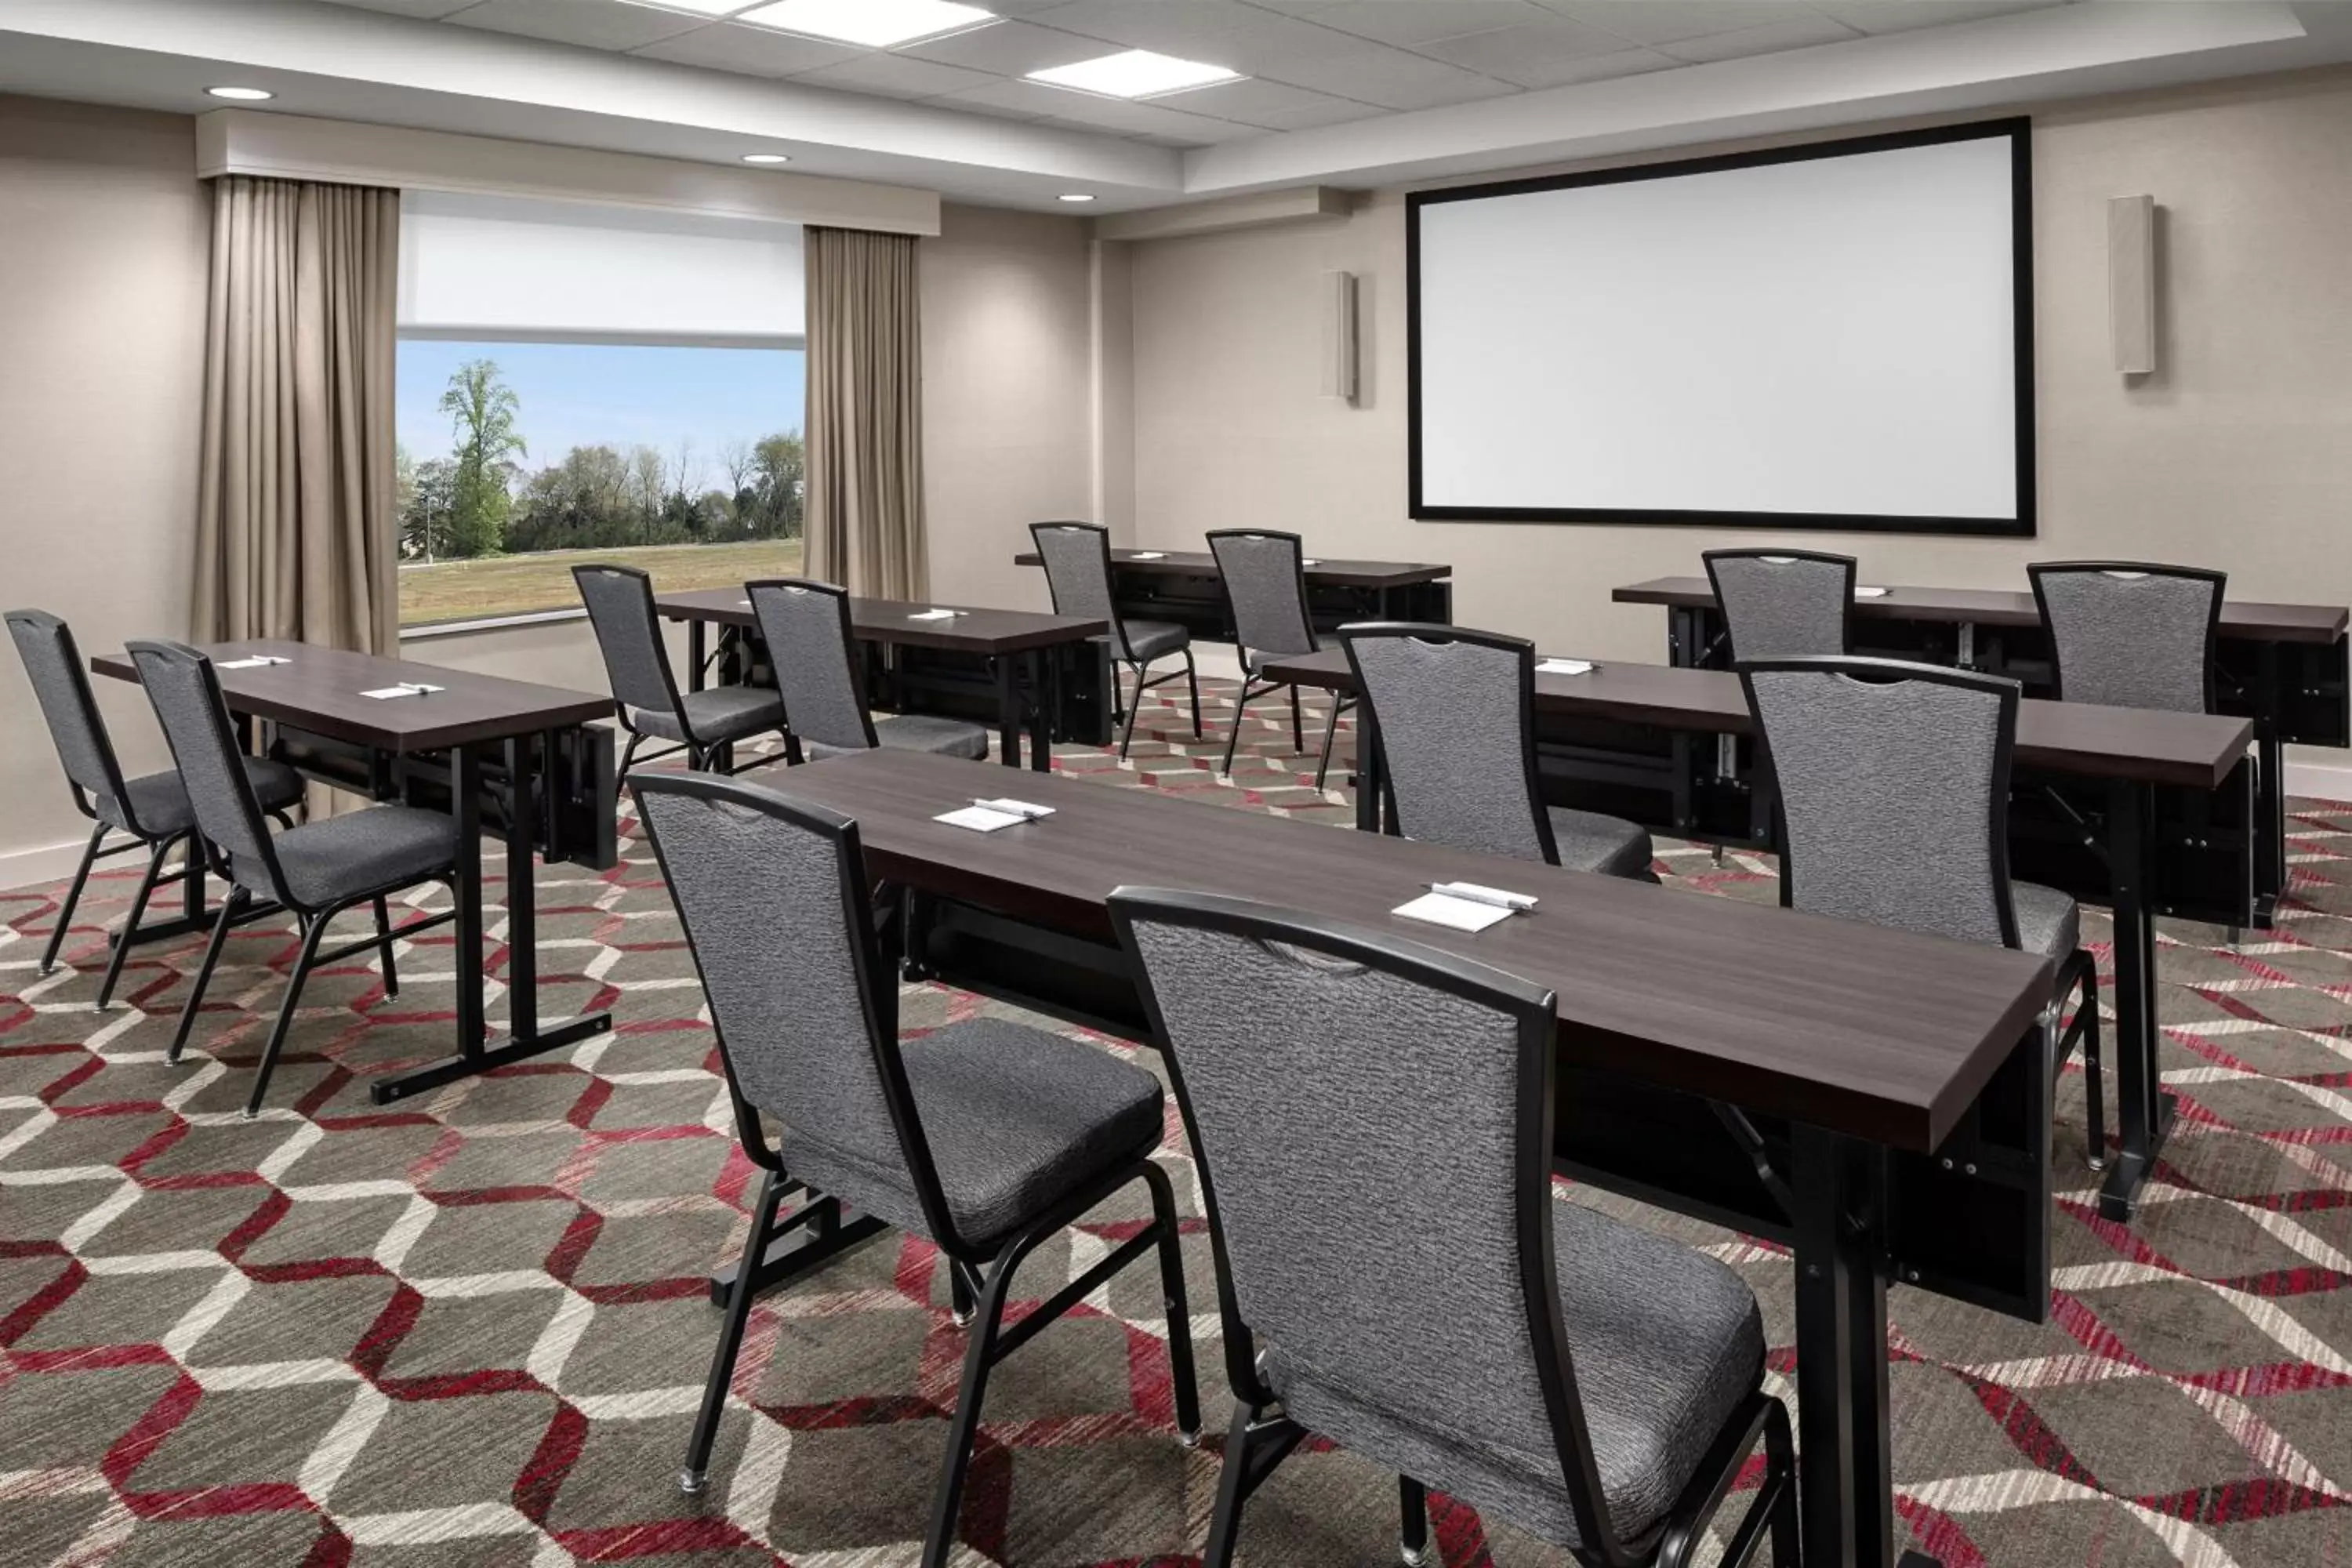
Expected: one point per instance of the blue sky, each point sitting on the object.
(578, 395)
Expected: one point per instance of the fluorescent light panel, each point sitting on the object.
(695, 7)
(242, 94)
(876, 23)
(1134, 73)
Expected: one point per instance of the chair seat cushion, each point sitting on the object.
(1668, 1343)
(914, 733)
(381, 849)
(1589, 841)
(1016, 1119)
(1149, 640)
(160, 803)
(717, 713)
(2048, 922)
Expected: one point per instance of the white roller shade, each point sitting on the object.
(503, 268)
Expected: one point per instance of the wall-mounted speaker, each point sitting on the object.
(2131, 282)
(1340, 345)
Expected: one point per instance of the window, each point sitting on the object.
(591, 383)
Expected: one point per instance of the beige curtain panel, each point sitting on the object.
(295, 534)
(865, 506)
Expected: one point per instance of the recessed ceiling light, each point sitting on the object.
(766, 158)
(1134, 73)
(242, 94)
(1075, 196)
(700, 7)
(876, 23)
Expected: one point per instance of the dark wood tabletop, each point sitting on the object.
(318, 688)
(2003, 607)
(2195, 750)
(973, 630)
(1883, 1034)
(1342, 574)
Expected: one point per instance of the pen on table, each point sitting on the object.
(1009, 808)
(1471, 896)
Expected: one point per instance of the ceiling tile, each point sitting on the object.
(1902, 16)
(896, 75)
(597, 26)
(1090, 112)
(1272, 106)
(1576, 70)
(1191, 30)
(1008, 48)
(1508, 51)
(1799, 33)
(430, 9)
(1668, 21)
(1412, 23)
(1374, 73)
(754, 51)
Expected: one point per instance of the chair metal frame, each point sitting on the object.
(751, 591)
(1121, 650)
(716, 757)
(980, 1278)
(241, 907)
(1262, 1435)
(2078, 970)
(2219, 581)
(1723, 606)
(159, 846)
(1340, 701)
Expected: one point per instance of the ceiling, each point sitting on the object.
(1306, 62)
(1351, 93)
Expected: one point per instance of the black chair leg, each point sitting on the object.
(73, 897)
(1233, 1488)
(629, 753)
(2093, 1069)
(979, 1354)
(1780, 1460)
(1192, 685)
(1134, 710)
(314, 926)
(961, 1301)
(231, 906)
(1298, 724)
(1330, 733)
(1413, 1545)
(1185, 1384)
(695, 1474)
(1233, 731)
(131, 921)
(383, 945)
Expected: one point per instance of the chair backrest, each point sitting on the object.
(2129, 634)
(1078, 574)
(807, 629)
(1265, 574)
(1894, 786)
(1777, 602)
(1455, 712)
(775, 900)
(186, 695)
(620, 601)
(1371, 1120)
(77, 729)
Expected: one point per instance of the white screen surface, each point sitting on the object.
(1828, 336)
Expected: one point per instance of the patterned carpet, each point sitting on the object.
(471, 1333)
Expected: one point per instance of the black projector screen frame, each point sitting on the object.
(2016, 129)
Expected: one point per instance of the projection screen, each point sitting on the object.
(1830, 336)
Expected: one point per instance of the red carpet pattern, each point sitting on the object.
(471, 1331)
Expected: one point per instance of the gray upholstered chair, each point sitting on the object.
(705, 725)
(1264, 578)
(1894, 809)
(987, 1138)
(313, 872)
(1078, 574)
(1780, 601)
(2128, 635)
(152, 810)
(1372, 1123)
(1455, 712)
(813, 652)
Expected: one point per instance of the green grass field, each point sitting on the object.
(515, 585)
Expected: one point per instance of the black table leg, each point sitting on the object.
(524, 1039)
(2145, 1110)
(1367, 770)
(1845, 1473)
(696, 641)
(1041, 718)
(1008, 711)
(2270, 816)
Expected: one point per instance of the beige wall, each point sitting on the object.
(1007, 400)
(2237, 453)
(103, 233)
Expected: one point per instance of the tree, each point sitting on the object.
(430, 493)
(482, 410)
(782, 468)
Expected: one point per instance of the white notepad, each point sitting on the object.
(256, 662)
(1310, 561)
(1148, 555)
(934, 615)
(1870, 592)
(1565, 667)
(1455, 915)
(406, 688)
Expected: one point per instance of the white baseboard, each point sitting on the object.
(2319, 781)
(42, 863)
